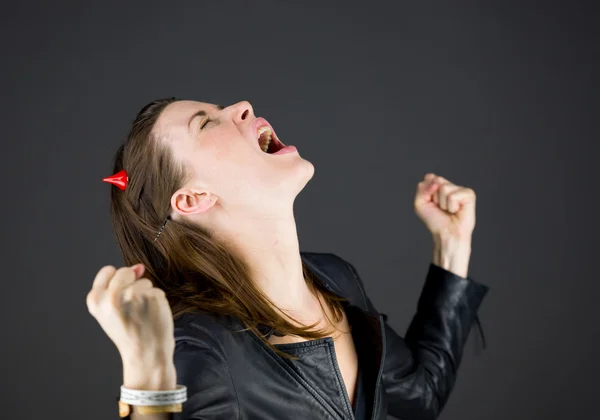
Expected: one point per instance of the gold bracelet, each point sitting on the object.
(126, 409)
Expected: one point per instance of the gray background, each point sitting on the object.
(498, 97)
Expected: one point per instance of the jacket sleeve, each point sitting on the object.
(420, 369)
(202, 367)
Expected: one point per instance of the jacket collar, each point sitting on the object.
(331, 272)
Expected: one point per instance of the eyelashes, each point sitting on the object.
(204, 123)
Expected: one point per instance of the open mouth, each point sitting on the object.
(268, 141)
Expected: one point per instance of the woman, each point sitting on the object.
(232, 310)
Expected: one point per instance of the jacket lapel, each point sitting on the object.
(367, 326)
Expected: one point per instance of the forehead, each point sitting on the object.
(177, 114)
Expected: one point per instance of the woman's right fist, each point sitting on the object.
(135, 315)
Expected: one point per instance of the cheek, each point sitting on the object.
(223, 163)
(228, 160)
(223, 144)
(223, 152)
(233, 153)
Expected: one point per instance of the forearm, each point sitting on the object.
(161, 377)
(421, 367)
(452, 255)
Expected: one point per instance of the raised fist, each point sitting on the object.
(135, 315)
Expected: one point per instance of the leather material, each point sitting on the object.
(233, 375)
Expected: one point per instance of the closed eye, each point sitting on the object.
(204, 123)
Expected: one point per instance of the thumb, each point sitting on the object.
(425, 192)
(138, 269)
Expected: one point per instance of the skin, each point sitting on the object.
(242, 194)
(246, 197)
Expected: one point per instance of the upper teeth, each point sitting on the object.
(264, 141)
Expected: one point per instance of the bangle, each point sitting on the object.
(125, 409)
(152, 402)
(145, 397)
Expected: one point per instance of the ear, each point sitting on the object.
(187, 201)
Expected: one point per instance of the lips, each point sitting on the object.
(275, 144)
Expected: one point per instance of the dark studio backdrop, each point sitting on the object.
(501, 97)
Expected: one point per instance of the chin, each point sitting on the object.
(305, 174)
(306, 169)
(296, 177)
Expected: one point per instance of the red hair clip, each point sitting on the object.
(119, 179)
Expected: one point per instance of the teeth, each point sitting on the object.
(263, 129)
(264, 138)
(265, 144)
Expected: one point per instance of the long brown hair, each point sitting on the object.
(197, 272)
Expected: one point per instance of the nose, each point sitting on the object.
(241, 111)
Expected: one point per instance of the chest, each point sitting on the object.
(345, 357)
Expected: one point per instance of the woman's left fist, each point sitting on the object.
(447, 210)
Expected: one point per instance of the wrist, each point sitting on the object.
(151, 377)
(452, 254)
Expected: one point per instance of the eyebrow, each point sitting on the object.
(202, 113)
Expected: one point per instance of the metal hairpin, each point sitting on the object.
(120, 180)
(162, 227)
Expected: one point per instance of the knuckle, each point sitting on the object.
(109, 271)
(104, 273)
(145, 282)
(122, 277)
(115, 299)
(142, 284)
(127, 293)
(123, 270)
(151, 297)
(91, 300)
(156, 293)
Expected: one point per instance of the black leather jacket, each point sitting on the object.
(233, 375)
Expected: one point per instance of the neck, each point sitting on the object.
(270, 248)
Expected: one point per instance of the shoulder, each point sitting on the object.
(201, 329)
(203, 367)
(199, 345)
(331, 270)
(338, 275)
(330, 264)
